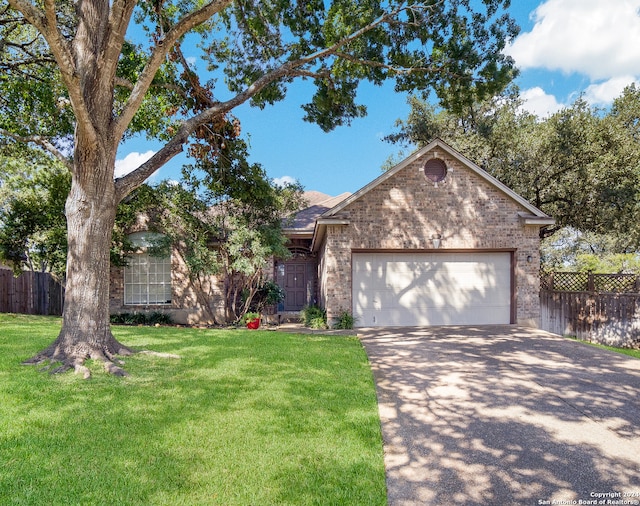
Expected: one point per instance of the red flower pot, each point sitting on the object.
(253, 324)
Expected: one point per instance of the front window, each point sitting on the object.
(147, 278)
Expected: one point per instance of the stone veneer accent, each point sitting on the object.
(405, 212)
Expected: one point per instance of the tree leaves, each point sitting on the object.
(450, 47)
(32, 223)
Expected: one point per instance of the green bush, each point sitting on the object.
(318, 323)
(344, 321)
(138, 318)
(270, 293)
(314, 317)
(119, 318)
(160, 318)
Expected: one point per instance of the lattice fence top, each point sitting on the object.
(625, 283)
(589, 282)
(566, 281)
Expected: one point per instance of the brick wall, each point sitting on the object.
(406, 211)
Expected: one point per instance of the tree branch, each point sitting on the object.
(157, 58)
(333, 49)
(43, 143)
(125, 83)
(46, 23)
(119, 18)
(33, 60)
(391, 68)
(128, 183)
(32, 14)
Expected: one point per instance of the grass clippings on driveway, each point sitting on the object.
(244, 417)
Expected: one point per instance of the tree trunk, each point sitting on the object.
(90, 211)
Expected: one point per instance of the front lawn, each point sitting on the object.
(243, 418)
(625, 351)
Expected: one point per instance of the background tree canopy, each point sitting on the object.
(33, 188)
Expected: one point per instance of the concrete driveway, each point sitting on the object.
(505, 415)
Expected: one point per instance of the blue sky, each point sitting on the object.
(565, 48)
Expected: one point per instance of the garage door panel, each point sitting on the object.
(432, 288)
(447, 316)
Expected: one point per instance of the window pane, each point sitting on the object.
(147, 280)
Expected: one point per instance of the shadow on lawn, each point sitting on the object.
(504, 416)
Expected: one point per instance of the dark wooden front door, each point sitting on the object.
(295, 286)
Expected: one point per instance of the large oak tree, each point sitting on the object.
(72, 81)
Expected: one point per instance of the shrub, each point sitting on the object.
(270, 294)
(267, 294)
(136, 318)
(314, 317)
(318, 323)
(116, 319)
(157, 317)
(345, 320)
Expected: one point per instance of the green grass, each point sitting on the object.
(625, 351)
(243, 418)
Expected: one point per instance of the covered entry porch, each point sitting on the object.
(298, 278)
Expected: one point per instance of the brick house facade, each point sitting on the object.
(438, 242)
(468, 214)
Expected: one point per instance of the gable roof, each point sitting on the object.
(536, 216)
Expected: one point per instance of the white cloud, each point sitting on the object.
(598, 38)
(604, 93)
(284, 180)
(538, 102)
(131, 162)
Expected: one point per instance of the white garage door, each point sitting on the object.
(413, 289)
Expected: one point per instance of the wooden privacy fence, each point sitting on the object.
(599, 308)
(30, 293)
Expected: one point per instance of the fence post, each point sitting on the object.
(591, 285)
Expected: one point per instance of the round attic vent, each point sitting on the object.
(435, 170)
